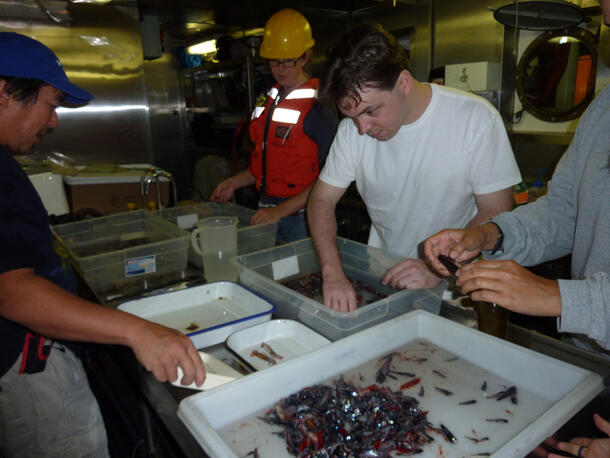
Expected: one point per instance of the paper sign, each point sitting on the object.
(285, 267)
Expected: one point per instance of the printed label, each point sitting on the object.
(140, 266)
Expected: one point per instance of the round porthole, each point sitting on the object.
(555, 78)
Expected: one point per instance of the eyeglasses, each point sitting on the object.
(285, 63)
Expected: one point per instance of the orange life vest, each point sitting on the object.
(291, 157)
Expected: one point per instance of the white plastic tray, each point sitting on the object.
(217, 373)
(224, 420)
(287, 338)
(208, 314)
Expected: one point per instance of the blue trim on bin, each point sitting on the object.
(250, 317)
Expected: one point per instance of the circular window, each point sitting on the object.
(555, 78)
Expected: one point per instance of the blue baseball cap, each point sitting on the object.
(24, 57)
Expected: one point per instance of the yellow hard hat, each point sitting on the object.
(287, 35)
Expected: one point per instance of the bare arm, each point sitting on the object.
(337, 290)
(47, 309)
(286, 208)
(490, 205)
(225, 189)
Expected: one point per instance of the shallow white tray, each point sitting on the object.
(217, 373)
(224, 421)
(287, 338)
(208, 314)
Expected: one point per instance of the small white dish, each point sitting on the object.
(287, 338)
(217, 373)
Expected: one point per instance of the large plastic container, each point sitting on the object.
(249, 238)
(116, 249)
(263, 270)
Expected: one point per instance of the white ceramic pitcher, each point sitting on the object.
(215, 240)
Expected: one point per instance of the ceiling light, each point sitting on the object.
(205, 47)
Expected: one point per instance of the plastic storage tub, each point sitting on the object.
(249, 238)
(261, 272)
(119, 248)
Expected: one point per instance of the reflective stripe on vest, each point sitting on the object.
(257, 112)
(286, 115)
(302, 94)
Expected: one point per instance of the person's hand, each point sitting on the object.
(459, 244)
(161, 350)
(223, 191)
(410, 274)
(265, 215)
(339, 294)
(585, 447)
(511, 286)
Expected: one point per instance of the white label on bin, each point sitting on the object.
(285, 267)
(140, 266)
(187, 221)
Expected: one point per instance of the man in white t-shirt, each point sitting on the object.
(423, 156)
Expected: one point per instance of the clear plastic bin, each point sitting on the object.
(249, 238)
(114, 250)
(263, 270)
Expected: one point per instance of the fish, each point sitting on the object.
(465, 403)
(269, 350)
(445, 392)
(439, 373)
(264, 357)
(497, 420)
(345, 420)
(410, 383)
(509, 392)
(475, 440)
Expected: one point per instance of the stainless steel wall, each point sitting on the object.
(101, 50)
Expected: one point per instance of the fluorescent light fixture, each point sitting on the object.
(205, 47)
(95, 2)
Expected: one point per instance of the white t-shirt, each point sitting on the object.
(424, 178)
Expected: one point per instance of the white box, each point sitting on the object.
(208, 314)
(550, 391)
(474, 76)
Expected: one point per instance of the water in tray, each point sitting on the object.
(438, 370)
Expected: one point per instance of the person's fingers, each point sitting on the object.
(602, 424)
(576, 447)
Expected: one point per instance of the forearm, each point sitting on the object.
(47, 309)
(585, 307)
(241, 180)
(295, 203)
(490, 205)
(323, 229)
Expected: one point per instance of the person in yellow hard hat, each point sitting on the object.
(290, 131)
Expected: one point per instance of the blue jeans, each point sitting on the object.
(292, 228)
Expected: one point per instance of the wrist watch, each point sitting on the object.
(499, 241)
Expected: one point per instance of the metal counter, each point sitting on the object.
(164, 434)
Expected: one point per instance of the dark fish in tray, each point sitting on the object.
(344, 420)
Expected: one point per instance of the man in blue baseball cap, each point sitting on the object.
(46, 406)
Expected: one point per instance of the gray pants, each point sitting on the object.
(52, 413)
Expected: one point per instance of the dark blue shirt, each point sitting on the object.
(26, 241)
